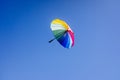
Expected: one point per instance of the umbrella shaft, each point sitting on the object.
(51, 40)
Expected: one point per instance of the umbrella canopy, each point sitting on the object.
(62, 33)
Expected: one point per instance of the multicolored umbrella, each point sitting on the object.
(62, 32)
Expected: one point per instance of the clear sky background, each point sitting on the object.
(25, 53)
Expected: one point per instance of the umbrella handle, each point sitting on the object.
(56, 37)
(51, 40)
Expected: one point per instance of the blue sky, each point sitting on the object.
(25, 53)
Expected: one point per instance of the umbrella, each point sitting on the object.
(62, 33)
